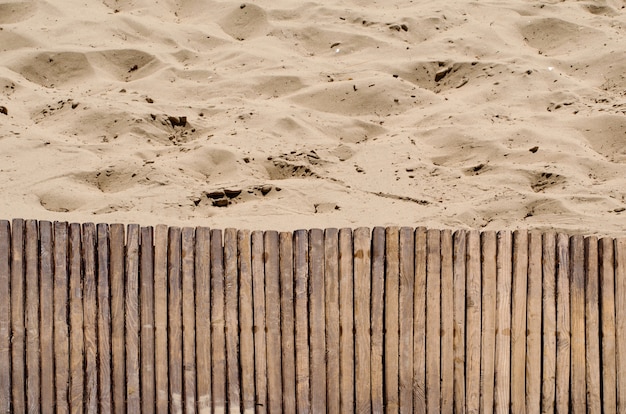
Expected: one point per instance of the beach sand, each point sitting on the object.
(507, 114)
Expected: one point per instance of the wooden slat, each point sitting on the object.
(18, 336)
(406, 322)
(133, 390)
(218, 338)
(577, 309)
(607, 312)
(90, 317)
(346, 321)
(433, 321)
(61, 327)
(118, 345)
(301, 270)
(317, 320)
(377, 318)
(203, 319)
(416, 286)
(161, 354)
(504, 273)
(518, 321)
(620, 321)
(146, 298)
(288, 323)
(46, 311)
(331, 293)
(562, 325)
(174, 321)
(77, 345)
(489, 309)
(592, 325)
(189, 314)
(460, 248)
(232, 320)
(473, 320)
(5, 316)
(33, 378)
(246, 322)
(447, 323)
(258, 299)
(362, 318)
(548, 377)
(533, 324)
(104, 319)
(392, 318)
(272, 318)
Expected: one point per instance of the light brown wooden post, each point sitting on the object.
(460, 249)
(146, 298)
(5, 316)
(518, 322)
(232, 319)
(473, 321)
(272, 318)
(90, 316)
(174, 322)
(118, 345)
(33, 379)
(260, 344)
(577, 309)
(592, 325)
(607, 293)
(104, 319)
(161, 354)
(362, 319)
(189, 323)
(504, 273)
(620, 321)
(18, 334)
(346, 321)
(562, 325)
(377, 314)
(203, 318)
(548, 378)
(246, 323)
(418, 289)
(533, 323)
(46, 311)
(488, 330)
(61, 327)
(301, 268)
(218, 345)
(77, 343)
(288, 322)
(447, 322)
(433, 321)
(392, 319)
(331, 293)
(317, 320)
(412, 382)
(133, 391)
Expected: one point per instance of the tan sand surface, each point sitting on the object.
(499, 114)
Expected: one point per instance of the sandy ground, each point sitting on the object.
(280, 114)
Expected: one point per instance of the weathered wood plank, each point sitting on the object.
(146, 298)
(33, 378)
(377, 318)
(118, 345)
(488, 330)
(518, 321)
(331, 293)
(133, 363)
(288, 323)
(61, 327)
(104, 319)
(174, 321)
(620, 321)
(607, 312)
(18, 329)
(577, 309)
(161, 354)
(90, 317)
(473, 321)
(417, 287)
(533, 324)
(188, 236)
(218, 338)
(203, 319)
(77, 344)
(301, 269)
(346, 321)
(232, 320)
(447, 322)
(362, 319)
(46, 312)
(504, 273)
(548, 377)
(407, 323)
(5, 316)
(562, 325)
(592, 325)
(272, 318)
(392, 318)
(246, 322)
(460, 249)
(433, 321)
(260, 343)
(317, 320)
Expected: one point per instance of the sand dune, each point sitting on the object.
(280, 115)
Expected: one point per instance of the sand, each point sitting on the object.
(507, 114)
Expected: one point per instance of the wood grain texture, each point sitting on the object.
(331, 294)
(562, 325)
(607, 312)
(548, 376)
(133, 387)
(203, 319)
(346, 321)
(117, 259)
(301, 275)
(77, 356)
(272, 320)
(260, 343)
(362, 319)
(533, 323)
(188, 236)
(518, 321)
(412, 323)
(317, 314)
(504, 273)
(46, 315)
(232, 319)
(246, 321)
(5, 316)
(33, 373)
(161, 300)
(620, 321)
(592, 326)
(433, 321)
(90, 317)
(61, 317)
(489, 314)
(104, 319)
(174, 320)
(392, 318)
(18, 331)
(460, 249)
(287, 322)
(377, 318)
(473, 322)
(218, 338)
(447, 322)
(146, 298)
(577, 318)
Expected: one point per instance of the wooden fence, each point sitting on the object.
(99, 318)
